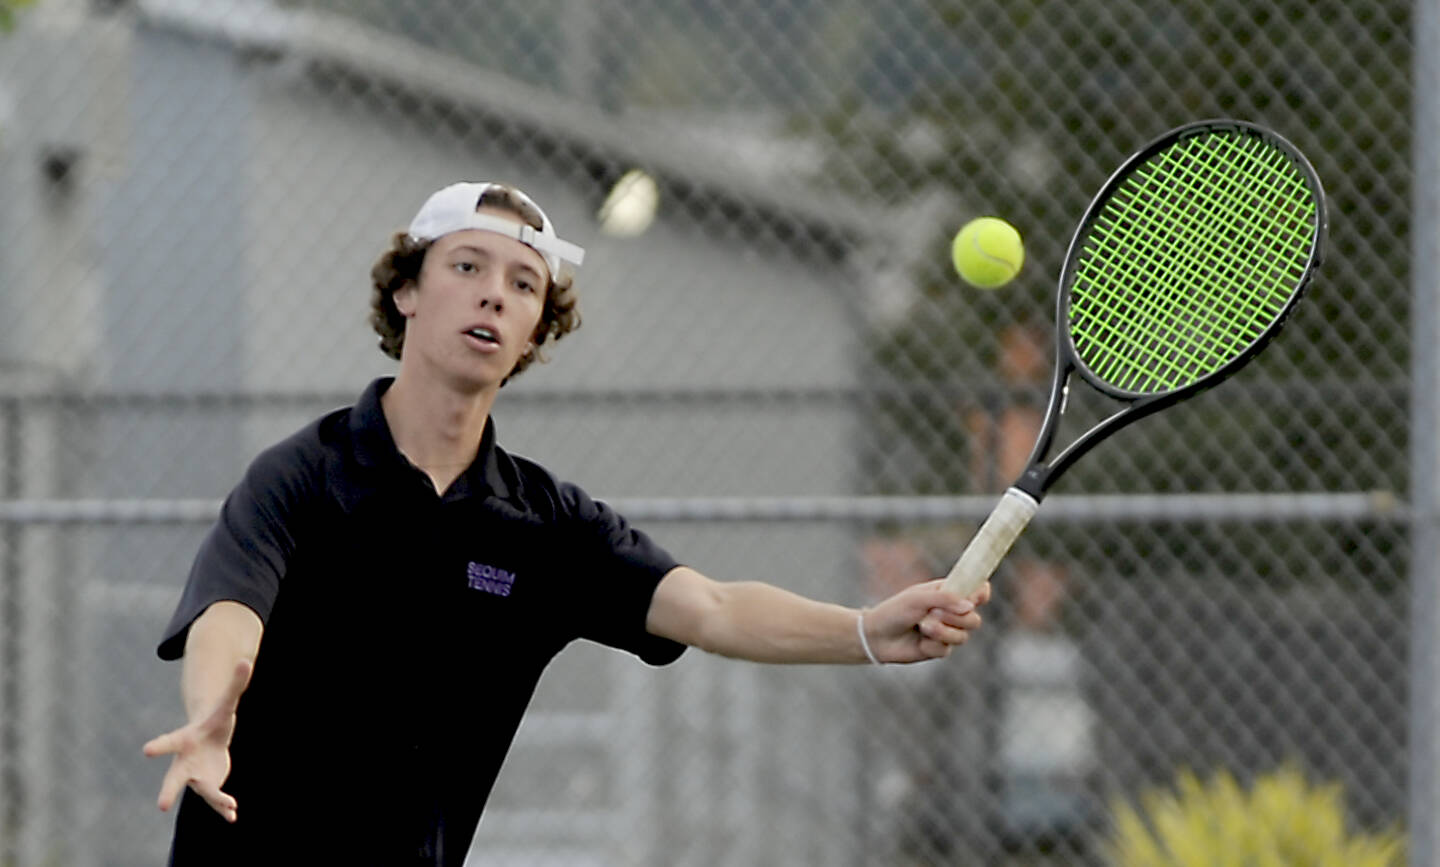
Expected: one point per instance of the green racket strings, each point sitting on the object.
(1189, 262)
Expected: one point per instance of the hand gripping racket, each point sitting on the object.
(1186, 264)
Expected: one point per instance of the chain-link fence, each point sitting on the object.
(781, 379)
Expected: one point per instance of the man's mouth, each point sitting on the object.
(484, 335)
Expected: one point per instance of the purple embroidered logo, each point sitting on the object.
(490, 579)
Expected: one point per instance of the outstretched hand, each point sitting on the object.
(923, 622)
(201, 751)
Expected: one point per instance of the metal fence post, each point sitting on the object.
(1425, 467)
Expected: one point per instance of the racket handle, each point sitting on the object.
(990, 545)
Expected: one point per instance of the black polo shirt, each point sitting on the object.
(404, 635)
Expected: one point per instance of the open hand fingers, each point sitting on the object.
(219, 801)
(170, 742)
(175, 783)
(171, 787)
(188, 770)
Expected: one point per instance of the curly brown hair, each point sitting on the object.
(401, 264)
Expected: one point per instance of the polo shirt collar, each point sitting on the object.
(374, 445)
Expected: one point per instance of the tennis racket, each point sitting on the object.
(1185, 265)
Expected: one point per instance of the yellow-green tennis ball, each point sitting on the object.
(987, 252)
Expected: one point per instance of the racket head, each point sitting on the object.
(1189, 260)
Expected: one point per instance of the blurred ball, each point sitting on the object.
(987, 252)
(630, 208)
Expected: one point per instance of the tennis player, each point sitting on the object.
(365, 624)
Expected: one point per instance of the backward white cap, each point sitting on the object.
(452, 209)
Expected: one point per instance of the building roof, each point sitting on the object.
(691, 164)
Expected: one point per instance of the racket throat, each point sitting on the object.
(1036, 478)
(1034, 482)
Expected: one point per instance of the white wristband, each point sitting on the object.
(865, 643)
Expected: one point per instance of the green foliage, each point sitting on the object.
(1281, 821)
(8, 9)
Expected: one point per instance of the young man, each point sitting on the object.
(366, 622)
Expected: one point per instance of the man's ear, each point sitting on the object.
(404, 298)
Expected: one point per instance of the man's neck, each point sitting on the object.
(435, 426)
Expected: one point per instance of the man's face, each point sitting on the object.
(475, 307)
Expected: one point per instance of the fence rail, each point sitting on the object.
(1381, 506)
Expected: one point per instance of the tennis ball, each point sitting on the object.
(987, 252)
(630, 208)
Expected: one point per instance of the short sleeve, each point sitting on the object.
(246, 553)
(616, 569)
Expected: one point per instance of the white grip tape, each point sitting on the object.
(991, 544)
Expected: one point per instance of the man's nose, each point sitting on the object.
(491, 295)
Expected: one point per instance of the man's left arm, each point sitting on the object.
(764, 623)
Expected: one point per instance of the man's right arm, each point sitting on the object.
(220, 652)
(226, 634)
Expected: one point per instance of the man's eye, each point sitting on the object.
(525, 285)
(465, 267)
